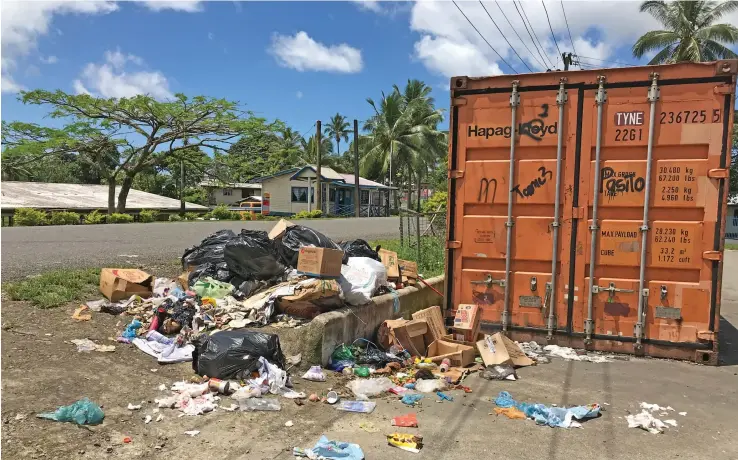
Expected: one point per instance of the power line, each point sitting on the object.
(503, 36)
(519, 37)
(547, 63)
(550, 27)
(535, 35)
(485, 40)
(567, 27)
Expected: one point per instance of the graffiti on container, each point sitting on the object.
(538, 182)
(535, 129)
(483, 298)
(484, 190)
(617, 309)
(614, 183)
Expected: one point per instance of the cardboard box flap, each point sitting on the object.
(279, 228)
(132, 275)
(459, 355)
(498, 349)
(434, 318)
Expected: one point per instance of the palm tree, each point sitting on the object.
(337, 128)
(689, 34)
(309, 155)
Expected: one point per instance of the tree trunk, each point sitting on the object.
(409, 189)
(125, 187)
(419, 182)
(111, 194)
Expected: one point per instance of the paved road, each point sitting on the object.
(30, 250)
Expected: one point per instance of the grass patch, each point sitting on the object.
(731, 246)
(55, 288)
(432, 254)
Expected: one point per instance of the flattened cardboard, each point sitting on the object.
(408, 268)
(414, 336)
(121, 283)
(279, 228)
(319, 262)
(459, 355)
(434, 318)
(498, 349)
(389, 259)
(183, 280)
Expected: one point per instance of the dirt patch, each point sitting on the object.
(42, 370)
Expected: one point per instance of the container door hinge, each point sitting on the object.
(453, 244)
(577, 213)
(459, 101)
(705, 335)
(712, 255)
(455, 174)
(724, 89)
(718, 173)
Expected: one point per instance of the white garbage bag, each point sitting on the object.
(360, 278)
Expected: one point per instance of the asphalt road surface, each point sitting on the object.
(31, 250)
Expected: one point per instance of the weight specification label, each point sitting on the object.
(676, 244)
(619, 243)
(678, 183)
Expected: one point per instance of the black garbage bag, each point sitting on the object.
(372, 355)
(253, 256)
(235, 354)
(358, 248)
(217, 271)
(298, 236)
(210, 250)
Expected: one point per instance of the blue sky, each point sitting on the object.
(297, 61)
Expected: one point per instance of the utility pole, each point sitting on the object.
(566, 57)
(182, 182)
(357, 189)
(318, 182)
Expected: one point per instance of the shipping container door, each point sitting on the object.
(682, 230)
(480, 191)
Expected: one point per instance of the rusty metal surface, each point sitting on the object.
(687, 209)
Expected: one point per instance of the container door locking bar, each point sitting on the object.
(514, 102)
(489, 282)
(611, 290)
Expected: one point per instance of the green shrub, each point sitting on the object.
(192, 216)
(28, 217)
(64, 218)
(174, 218)
(221, 212)
(308, 214)
(148, 215)
(439, 198)
(119, 218)
(95, 217)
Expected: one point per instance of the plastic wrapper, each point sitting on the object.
(298, 236)
(370, 387)
(358, 248)
(82, 412)
(235, 354)
(210, 250)
(499, 372)
(252, 255)
(210, 287)
(431, 386)
(360, 279)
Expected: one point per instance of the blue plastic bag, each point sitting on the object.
(130, 332)
(82, 412)
(411, 400)
(552, 416)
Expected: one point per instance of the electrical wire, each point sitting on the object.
(567, 27)
(551, 28)
(610, 62)
(503, 36)
(485, 40)
(543, 55)
(543, 65)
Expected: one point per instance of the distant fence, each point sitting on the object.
(365, 210)
(418, 229)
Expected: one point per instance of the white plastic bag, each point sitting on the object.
(360, 278)
(315, 373)
(370, 387)
(430, 386)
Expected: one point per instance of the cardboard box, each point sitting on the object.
(409, 269)
(434, 318)
(414, 336)
(459, 355)
(389, 259)
(319, 262)
(183, 280)
(279, 228)
(121, 283)
(466, 322)
(498, 349)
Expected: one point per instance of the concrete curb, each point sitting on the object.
(328, 330)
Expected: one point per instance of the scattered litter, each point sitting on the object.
(127, 439)
(645, 421)
(443, 396)
(230, 408)
(314, 374)
(331, 397)
(164, 349)
(368, 427)
(408, 421)
(331, 450)
(147, 420)
(551, 416)
(82, 412)
(79, 314)
(499, 372)
(671, 422)
(162, 387)
(409, 442)
(365, 407)
(510, 412)
(87, 345)
(682, 413)
(570, 354)
(192, 433)
(314, 397)
(288, 423)
(411, 400)
(260, 404)
(294, 395)
(134, 406)
(431, 386)
(294, 360)
(159, 417)
(19, 417)
(370, 387)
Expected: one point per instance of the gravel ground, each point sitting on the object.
(31, 250)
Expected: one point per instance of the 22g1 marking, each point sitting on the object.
(689, 116)
(629, 134)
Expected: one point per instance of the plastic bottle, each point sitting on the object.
(260, 404)
(445, 364)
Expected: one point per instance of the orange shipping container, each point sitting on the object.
(610, 234)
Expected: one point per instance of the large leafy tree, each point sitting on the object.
(690, 32)
(147, 132)
(309, 152)
(259, 151)
(337, 129)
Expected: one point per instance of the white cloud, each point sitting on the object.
(23, 22)
(442, 27)
(113, 79)
(187, 6)
(299, 94)
(48, 59)
(370, 5)
(302, 53)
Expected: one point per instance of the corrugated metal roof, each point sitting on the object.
(44, 195)
(363, 182)
(219, 184)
